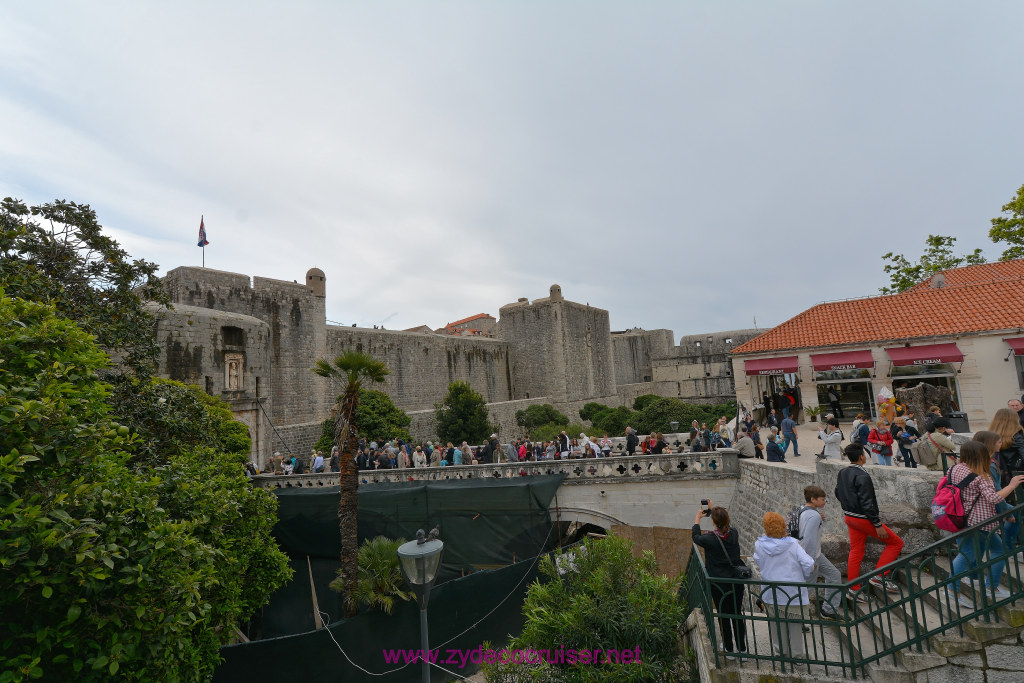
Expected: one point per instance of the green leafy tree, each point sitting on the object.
(167, 502)
(353, 368)
(57, 252)
(1010, 228)
(598, 596)
(381, 585)
(536, 415)
(377, 417)
(462, 415)
(938, 256)
(96, 579)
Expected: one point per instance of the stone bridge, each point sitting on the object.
(638, 490)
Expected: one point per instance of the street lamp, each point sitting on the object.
(419, 561)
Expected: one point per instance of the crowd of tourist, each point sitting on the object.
(988, 470)
(400, 454)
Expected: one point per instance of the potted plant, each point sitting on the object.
(813, 412)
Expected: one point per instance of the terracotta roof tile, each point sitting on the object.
(989, 297)
(466, 320)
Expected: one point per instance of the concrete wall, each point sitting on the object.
(670, 503)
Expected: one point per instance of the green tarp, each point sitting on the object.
(462, 613)
(485, 524)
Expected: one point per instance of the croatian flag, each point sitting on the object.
(202, 233)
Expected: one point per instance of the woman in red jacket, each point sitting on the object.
(880, 442)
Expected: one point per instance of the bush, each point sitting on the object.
(591, 410)
(537, 415)
(641, 402)
(614, 421)
(598, 596)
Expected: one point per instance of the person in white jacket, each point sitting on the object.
(832, 437)
(781, 558)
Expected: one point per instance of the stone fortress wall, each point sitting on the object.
(254, 341)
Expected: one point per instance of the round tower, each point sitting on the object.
(316, 281)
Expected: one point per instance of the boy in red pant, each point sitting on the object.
(856, 494)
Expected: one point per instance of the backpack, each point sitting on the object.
(793, 520)
(948, 504)
(855, 435)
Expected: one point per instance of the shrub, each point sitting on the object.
(537, 415)
(598, 596)
(641, 402)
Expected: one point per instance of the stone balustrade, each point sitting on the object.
(715, 464)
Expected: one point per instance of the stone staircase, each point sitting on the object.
(917, 635)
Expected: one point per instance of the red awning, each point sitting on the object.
(1017, 345)
(843, 360)
(772, 366)
(932, 354)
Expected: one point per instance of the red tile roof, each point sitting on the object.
(470, 318)
(988, 297)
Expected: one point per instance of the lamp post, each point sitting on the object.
(419, 561)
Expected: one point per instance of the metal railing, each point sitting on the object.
(784, 635)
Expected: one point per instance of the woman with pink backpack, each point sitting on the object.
(973, 477)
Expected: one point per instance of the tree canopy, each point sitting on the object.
(133, 543)
(462, 415)
(938, 256)
(1010, 228)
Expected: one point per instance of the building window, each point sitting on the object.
(233, 366)
(209, 385)
(233, 336)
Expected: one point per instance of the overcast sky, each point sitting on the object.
(685, 165)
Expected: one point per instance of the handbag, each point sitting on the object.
(739, 571)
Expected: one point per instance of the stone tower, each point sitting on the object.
(559, 349)
(316, 281)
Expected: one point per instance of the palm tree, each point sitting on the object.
(353, 367)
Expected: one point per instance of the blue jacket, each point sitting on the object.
(774, 452)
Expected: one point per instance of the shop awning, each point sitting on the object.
(931, 354)
(1017, 344)
(842, 360)
(772, 366)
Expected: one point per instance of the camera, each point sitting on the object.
(704, 502)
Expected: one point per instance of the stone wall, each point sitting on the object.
(299, 438)
(503, 415)
(558, 348)
(423, 365)
(634, 350)
(195, 347)
(297, 332)
(904, 500)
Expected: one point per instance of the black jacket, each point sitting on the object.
(632, 441)
(1014, 454)
(718, 565)
(856, 494)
